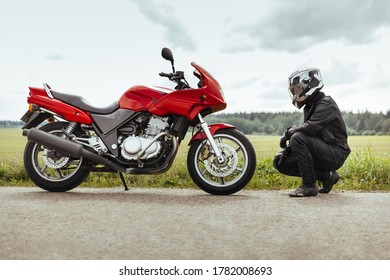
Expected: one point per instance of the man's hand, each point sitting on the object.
(279, 157)
(287, 135)
(290, 131)
(283, 142)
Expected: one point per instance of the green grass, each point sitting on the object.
(12, 143)
(366, 169)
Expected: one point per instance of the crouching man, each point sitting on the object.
(318, 147)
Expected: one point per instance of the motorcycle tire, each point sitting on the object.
(222, 178)
(53, 171)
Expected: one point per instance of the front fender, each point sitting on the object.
(213, 129)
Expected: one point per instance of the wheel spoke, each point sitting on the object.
(60, 173)
(43, 168)
(74, 162)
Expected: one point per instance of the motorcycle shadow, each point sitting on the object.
(190, 197)
(138, 195)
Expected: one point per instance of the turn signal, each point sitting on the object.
(32, 107)
(203, 97)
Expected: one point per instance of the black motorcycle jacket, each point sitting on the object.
(322, 118)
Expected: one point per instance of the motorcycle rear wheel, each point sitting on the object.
(222, 178)
(50, 170)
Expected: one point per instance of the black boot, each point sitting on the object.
(304, 190)
(328, 184)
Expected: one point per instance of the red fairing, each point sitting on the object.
(39, 97)
(186, 102)
(213, 129)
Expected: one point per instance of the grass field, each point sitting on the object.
(366, 169)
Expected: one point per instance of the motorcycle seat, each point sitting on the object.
(81, 103)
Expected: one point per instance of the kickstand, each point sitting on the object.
(123, 181)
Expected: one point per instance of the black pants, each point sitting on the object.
(311, 158)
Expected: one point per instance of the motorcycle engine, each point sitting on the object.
(132, 145)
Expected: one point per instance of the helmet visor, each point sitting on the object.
(297, 95)
(295, 90)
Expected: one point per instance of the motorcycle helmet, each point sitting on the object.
(303, 85)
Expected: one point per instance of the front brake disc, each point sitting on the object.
(225, 168)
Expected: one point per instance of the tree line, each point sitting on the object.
(266, 123)
(10, 124)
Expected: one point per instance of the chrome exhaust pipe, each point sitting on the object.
(67, 147)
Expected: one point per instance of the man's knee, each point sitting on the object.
(298, 138)
(278, 160)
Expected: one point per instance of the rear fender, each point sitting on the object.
(33, 119)
(213, 129)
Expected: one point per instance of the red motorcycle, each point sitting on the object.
(139, 134)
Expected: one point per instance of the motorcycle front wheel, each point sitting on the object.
(53, 171)
(229, 176)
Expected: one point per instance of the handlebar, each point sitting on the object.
(168, 75)
(177, 77)
(172, 76)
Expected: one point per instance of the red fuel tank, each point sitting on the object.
(139, 98)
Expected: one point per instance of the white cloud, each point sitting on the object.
(55, 57)
(298, 25)
(163, 15)
(246, 82)
(342, 72)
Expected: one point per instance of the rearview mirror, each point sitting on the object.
(167, 55)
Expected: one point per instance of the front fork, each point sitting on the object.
(210, 138)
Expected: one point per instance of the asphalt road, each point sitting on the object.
(154, 224)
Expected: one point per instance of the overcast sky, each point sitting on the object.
(100, 48)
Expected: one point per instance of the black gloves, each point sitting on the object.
(279, 157)
(283, 142)
(290, 131)
(287, 135)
